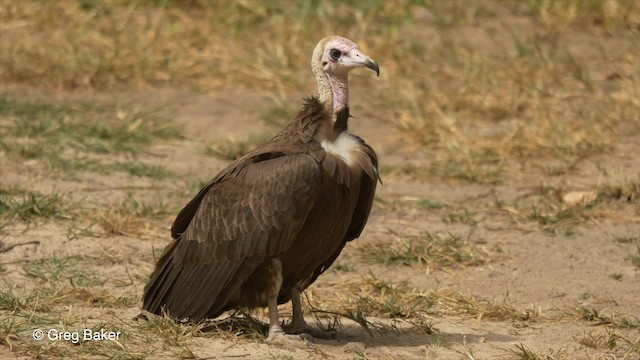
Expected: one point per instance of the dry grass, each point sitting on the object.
(496, 107)
(608, 317)
(426, 251)
(558, 210)
(234, 148)
(606, 340)
(370, 299)
(532, 93)
(72, 138)
(132, 217)
(492, 107)
(21, 205)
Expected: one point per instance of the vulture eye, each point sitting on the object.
(335, 54)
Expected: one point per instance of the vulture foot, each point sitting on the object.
(301, 341)
(305, 330)
(299, 326)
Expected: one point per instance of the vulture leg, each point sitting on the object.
(275, 330)
(276, 333)
(278, 336)
(298, 323)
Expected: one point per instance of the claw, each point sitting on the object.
(301, 341)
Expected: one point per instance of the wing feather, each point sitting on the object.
(239, 221)
(360, 215)
(367, 192)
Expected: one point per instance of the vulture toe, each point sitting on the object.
(299, 341)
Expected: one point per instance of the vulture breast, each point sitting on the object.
(345, 146)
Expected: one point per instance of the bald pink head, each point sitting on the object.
(332, 59)
(339, 55)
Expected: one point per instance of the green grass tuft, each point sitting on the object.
(428, 250)
(28, 206)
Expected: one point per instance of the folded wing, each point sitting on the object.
(254, 210)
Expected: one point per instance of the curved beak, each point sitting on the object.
(358, 59)
(371, 64)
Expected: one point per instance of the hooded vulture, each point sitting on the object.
(270, 223)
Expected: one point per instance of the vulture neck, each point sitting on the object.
(334, 94)
(333, 90)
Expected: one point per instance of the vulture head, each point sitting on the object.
(332, 59)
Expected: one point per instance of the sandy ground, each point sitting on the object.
(548, 276)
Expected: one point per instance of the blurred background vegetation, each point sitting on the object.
(487, 84)
(114, 43)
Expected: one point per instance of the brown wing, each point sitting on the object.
(240, 220)
(259, 154)
(185, 215)
(360, 216)
(367, 192)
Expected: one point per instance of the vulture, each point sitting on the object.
(269, 224)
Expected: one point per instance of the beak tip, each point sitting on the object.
(375, 67)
